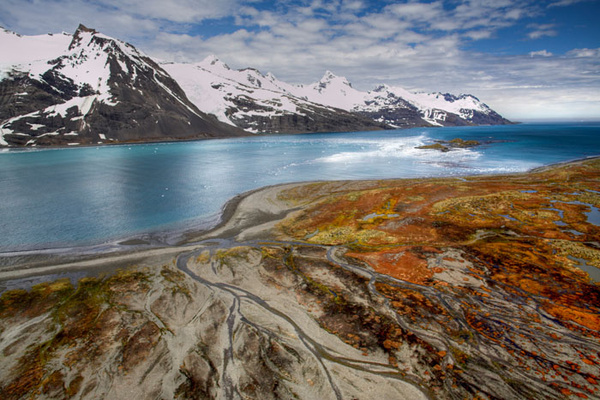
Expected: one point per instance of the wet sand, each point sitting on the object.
(246, 215)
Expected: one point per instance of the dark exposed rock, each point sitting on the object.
(447, 145)
(397, 117)
(143, 102)
(396, 112)
(435, 146)
(314, 119)
(492, 118)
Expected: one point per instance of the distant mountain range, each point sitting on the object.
(88, 88)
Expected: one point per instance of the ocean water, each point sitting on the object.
(69, 197)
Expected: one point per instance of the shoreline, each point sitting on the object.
(558, 164)
(239, 213)
(246, 214)
(249, 134)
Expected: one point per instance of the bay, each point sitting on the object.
(56, 198)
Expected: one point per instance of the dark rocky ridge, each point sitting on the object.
(472, 117)
(313, 118)
(396, 112)
(150, 105)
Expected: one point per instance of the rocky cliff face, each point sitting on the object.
(402, 108)
(392, 110)
(309, 118)
(99, 90)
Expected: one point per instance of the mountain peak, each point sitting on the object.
(212, 61)
(78, 35)
(8, 31)
(69, 93)
(83, 28)
(73, 96)
(270, 76)
(330, 78)
(382, 88)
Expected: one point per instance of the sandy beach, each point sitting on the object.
(243, 216)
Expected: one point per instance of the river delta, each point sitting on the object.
(445, 288)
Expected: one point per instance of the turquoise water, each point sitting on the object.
(84, 196)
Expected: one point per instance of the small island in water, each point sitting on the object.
(477, 287)
(447, 145)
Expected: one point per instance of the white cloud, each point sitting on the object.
(33, 17)
(353, 5)
(565, 3)
(411, 44)
(595, 53)
(479, 34)
(528, 103)
(185, 11)
(539, 31)
(417, 11)
(402, 45)
(540, 53)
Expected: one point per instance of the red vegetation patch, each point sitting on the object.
(401, 263)
(590, 320)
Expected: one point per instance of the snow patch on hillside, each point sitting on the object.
(333, 91)
(217, 89)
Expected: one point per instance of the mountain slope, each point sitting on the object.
(398, 107)
(96, 90)
(259, 103)
(435, 108)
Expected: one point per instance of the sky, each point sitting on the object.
(528, 60)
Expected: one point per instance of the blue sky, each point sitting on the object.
(526, 59)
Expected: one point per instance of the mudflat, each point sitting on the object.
(475, 287)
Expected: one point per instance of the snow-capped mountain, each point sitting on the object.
(260, 103)
(89, 88)
(257, 103)
(396, 106)
(435, 108)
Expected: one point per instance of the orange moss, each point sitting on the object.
(575, 314)
(401, 263)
